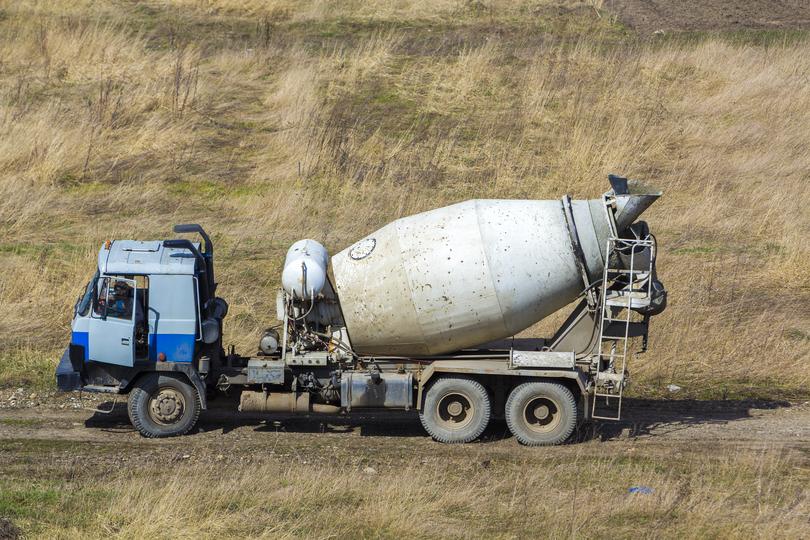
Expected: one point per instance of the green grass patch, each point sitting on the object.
(38, 505)
(695, 250)
(56, 248)
(86, 188)
(26, 501)
(211, 189)
(21, 422)
(743, 388)
(796, 334)
(30, 368)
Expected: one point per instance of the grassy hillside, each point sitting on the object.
(272, 121)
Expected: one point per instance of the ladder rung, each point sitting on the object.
(601, 417)
(607, 377)
(626, 271)
(607, 312)
(624, 295)
(635, 293)
(628, 302)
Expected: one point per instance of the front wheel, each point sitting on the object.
(456, 410)
(541, 413)
(163, 405)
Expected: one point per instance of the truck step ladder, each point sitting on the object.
(624, 289)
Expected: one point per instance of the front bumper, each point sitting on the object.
(67, 377)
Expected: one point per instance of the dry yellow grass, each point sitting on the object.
(569, 492)
(268, 122)
(426, 501)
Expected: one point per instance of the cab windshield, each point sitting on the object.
(83, 304)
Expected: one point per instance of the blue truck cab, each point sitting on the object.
(148, 316)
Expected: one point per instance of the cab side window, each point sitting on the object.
(120, 298)
(115, 298)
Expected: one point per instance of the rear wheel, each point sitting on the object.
(163, 405)
(541, 413)
(456, 410)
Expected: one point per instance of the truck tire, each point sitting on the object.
(163, 405)
(456, 410)
(541, 413)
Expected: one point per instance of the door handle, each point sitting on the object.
(124, 341)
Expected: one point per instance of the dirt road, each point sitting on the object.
(672, 425)
(647, 16)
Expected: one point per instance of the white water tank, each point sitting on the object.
(466, 274)
(304, 274)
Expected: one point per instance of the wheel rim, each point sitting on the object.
(542, 414)
(454, 411)
(166, 406)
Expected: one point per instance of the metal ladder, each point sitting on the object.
(616, 302)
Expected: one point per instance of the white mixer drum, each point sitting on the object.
(462, 275)
(304, 274)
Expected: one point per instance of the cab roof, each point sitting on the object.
(138, 257)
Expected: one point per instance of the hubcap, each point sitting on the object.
(166, 406)
(542, 414)
(455, 408)
(454, 411)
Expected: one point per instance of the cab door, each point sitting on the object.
(112, 325)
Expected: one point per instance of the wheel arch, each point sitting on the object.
(183, 370)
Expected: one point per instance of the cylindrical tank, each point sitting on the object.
(466, 274)
(304, 274)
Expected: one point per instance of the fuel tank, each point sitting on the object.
(473, 272)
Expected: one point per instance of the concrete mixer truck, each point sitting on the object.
(420, 315)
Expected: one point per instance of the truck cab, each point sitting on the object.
(148, 311)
